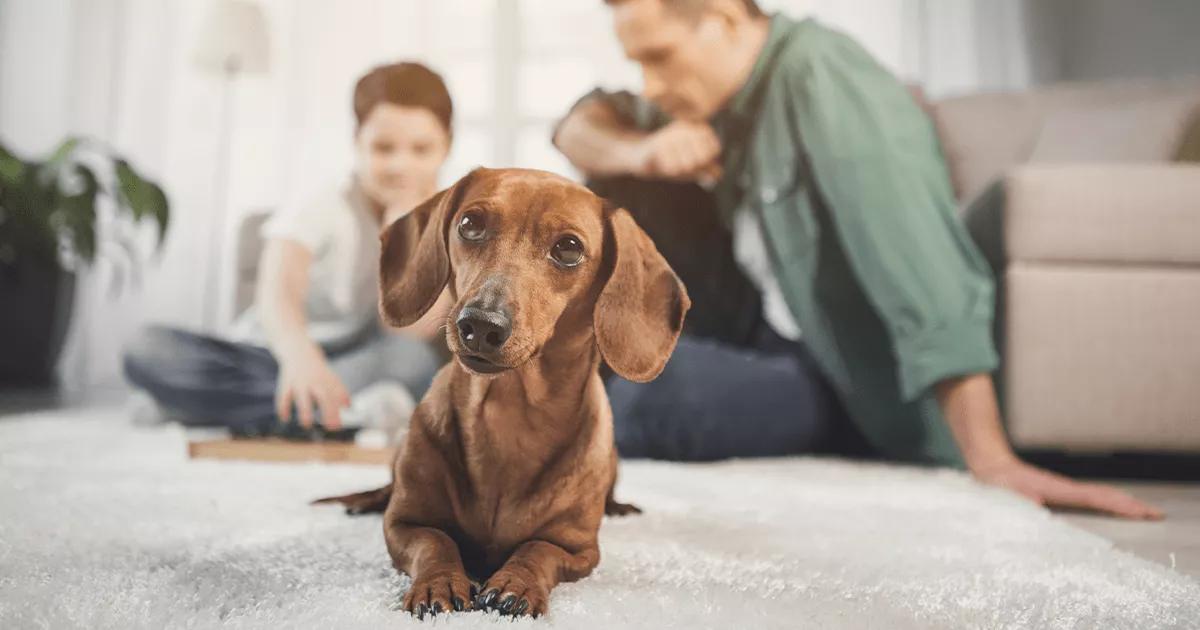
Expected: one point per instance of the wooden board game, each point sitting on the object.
(280, 450)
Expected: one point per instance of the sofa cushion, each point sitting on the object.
(985, 135)
(1129, 213)
(1142, 131)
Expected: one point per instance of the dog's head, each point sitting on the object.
(530, 257)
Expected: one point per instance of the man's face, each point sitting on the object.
(680, 57)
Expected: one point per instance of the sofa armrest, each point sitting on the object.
(1116, 214)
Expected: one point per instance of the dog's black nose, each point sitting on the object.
(483, 331)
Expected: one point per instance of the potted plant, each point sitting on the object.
(80, 204)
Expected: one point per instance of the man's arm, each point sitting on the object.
(596, 142)
(969, 405)
(599, 143)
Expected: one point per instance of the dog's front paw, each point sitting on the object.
(513, 591)
(437, 593)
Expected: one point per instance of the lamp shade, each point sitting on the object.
(234, 38)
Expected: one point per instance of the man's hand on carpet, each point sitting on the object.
(970, 408)
(1056, 491)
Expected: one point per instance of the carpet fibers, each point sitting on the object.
(106, 526)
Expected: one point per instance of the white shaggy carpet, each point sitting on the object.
(107, 526)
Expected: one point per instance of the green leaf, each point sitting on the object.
(144, 198)
(26, 223)
(63, 152)
(47, 173)
(12, 169)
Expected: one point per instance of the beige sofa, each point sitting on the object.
(1101, 258)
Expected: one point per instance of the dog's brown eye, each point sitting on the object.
(568, 251)
(471, 227)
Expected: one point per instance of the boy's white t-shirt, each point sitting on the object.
(342, 234)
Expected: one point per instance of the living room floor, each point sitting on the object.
(1173, 542)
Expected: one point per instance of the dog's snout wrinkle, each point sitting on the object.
(490, 296)
(483, 331)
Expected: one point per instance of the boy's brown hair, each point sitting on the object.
(408, 84)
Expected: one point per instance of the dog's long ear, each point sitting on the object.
(640, 309)
(414, 264)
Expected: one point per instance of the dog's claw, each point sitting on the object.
(420, 611)
(437, 608)
(506, 604)
(457, 602)
(521, 608)
(485, 599)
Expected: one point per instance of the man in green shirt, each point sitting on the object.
(832, 183)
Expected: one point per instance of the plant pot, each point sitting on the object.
(36, 301)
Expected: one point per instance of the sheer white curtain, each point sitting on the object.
(123, 71)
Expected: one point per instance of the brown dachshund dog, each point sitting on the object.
(509, 463)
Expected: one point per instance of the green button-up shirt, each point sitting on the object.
(845, 173)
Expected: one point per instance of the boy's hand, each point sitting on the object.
(308, 380)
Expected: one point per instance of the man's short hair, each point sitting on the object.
(693, 8)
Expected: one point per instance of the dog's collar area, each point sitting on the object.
(480, 364)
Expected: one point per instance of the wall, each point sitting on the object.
(1113, 39)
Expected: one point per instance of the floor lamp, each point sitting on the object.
(233, 42)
